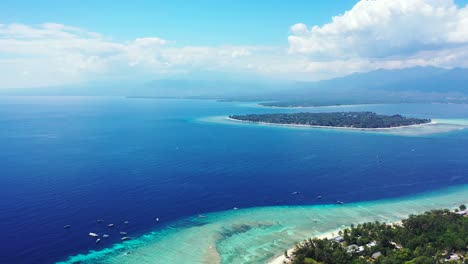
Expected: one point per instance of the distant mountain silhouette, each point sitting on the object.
(417, 84)
(424, 79)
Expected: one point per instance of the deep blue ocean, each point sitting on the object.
(73, 160)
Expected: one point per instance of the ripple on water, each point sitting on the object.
(255, 235)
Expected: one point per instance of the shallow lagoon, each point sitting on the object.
(72, 160)
(256, 235)
(437, 126)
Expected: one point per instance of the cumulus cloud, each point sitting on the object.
(51, 54)
(373, 34)
(382, 28)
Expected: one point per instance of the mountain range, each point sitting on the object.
(417, 84)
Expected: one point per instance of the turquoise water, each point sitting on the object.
(255, 235)
(436, 127)
(73, 160)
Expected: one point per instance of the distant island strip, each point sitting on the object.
(365, 120)
(298, 104)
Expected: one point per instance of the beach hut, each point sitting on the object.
(376, 255)
(338, 239)
(464, 212)
(453, 257)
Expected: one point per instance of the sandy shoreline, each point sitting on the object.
(329, 235)
(333, 127)
(281, 259)
(261, 234)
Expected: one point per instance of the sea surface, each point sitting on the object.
(73, 160)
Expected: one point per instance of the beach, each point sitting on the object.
(282, 258)
(434, 127)
(333, 127)
(260, 235)
(135, 165)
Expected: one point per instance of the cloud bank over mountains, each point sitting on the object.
(374, 34)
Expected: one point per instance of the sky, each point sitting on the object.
(55, 42)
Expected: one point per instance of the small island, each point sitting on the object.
(362, 120)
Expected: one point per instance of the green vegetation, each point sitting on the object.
(338, 119)
(438, 236)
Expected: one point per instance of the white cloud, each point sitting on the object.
(299, 28)
(382, 28)
(373, 34)
(69, 54)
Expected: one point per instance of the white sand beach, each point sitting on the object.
(333, 127)
(261, 234)
(282, 258)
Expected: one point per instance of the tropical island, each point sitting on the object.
(336, 119)
(439, 236)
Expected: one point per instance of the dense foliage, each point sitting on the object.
(338, 119)
(431, 237)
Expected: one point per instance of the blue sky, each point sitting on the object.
(202, 22)
(56, 42)
(189, 22)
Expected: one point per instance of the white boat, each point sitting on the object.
(93, 234)
(98, 240)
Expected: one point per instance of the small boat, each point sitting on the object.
(126, 222)
(127, 253)
(100, 221)
(123, 233)
(339, 202)
(93, 235)
(125, 238)
(105, 236)
(157, 219)
(235, 208)
(319, 197)
(201, 216)
(98, 240)
(296, 193)
(110, 225)
(66, 226)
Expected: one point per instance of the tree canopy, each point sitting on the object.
(336, 119)
(432, 237)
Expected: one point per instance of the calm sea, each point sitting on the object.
(73, 160)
